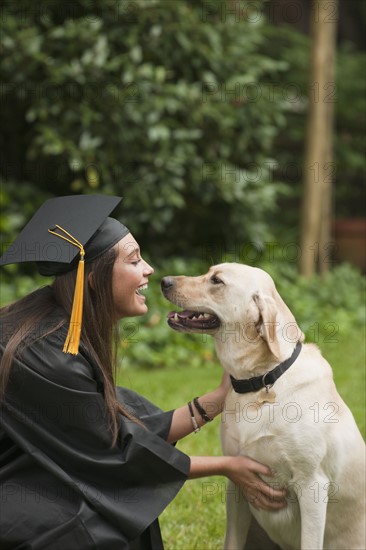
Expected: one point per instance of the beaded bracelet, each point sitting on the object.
(196, 427)
(202, 411)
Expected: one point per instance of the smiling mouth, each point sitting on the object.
(141, 287)
(192, 320)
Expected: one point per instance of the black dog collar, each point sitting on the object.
(268, 379)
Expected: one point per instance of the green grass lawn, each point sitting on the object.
(195, 520)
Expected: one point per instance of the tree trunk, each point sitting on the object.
(318, 168)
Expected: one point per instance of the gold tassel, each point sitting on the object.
(73, 336)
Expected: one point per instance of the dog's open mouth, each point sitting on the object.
(192, 320)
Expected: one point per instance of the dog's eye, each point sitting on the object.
(215, 280)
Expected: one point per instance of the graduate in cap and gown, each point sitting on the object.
(85, 464)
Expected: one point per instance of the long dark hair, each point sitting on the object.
(99, 328)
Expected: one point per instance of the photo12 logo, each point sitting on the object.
(255, 11)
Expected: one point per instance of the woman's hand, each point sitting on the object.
(244, 472)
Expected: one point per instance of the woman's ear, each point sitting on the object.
(91, 280)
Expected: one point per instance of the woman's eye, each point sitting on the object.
(215, 280)
(136, 262)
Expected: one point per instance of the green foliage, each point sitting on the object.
(18, 204)
(329, 307)
(149, 101)
(347, 93)
(350, 141)
(195, 115)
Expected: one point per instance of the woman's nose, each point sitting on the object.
(148, 269)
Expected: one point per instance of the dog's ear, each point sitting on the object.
(267, 324)
(276, 322)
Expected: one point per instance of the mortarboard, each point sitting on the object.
(63, 232)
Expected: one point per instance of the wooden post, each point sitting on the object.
(325, 232)
(316, 205)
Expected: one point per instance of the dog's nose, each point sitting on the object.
(167, 282)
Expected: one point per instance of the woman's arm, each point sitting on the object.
(212, 403)
(244, 472)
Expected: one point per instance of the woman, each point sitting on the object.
(84, 464)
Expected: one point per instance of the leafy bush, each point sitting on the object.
(327, 307)
(148, 99)
(18, 204)
(191, 113)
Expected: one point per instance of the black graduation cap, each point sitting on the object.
(63, 232)
(84, 217)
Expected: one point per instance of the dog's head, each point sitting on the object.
(232, 299)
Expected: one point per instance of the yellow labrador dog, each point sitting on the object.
(283, 410)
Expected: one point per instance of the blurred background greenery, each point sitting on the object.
(194, 112)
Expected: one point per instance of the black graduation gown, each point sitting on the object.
(62, 486)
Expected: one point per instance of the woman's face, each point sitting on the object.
(130, 276)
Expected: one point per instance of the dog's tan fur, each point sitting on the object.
(301, 427)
